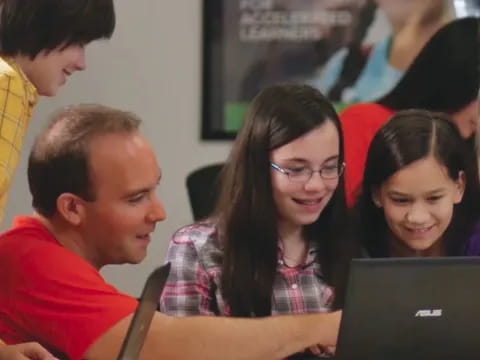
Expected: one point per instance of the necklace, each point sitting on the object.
(297, 264)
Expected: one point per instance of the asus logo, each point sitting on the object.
(429, 313)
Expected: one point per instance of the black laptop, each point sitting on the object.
(412, 309)
(133, 343)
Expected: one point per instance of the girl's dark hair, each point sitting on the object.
(445, 75)
(246, 209)
(409, 136)
(28, 27)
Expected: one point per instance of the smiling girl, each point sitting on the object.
(420, 194)
(275, 244)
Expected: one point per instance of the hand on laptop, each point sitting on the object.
(328, 348)
(25, 351)
(322, 350)
(334, 328)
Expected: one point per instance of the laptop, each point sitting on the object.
(411, 309)
(148, 304)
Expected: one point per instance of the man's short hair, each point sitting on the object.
(59, 160)
(28, 27)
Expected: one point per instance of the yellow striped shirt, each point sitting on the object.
(18, 97)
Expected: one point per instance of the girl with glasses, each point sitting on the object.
(276, 243)
(420, 193)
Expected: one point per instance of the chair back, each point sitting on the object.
(203, 186)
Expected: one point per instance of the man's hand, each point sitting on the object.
(26, 351)
(334, 326)
(329, 348)
(322, 350)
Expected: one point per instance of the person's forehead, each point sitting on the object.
(320, 142)
(122, 154)
(421, 176)
(119, 139)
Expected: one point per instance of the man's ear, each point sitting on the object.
(71, 207)
(460, 184)
(376, 197)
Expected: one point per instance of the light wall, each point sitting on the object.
(151, 66)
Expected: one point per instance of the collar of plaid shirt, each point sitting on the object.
(31, 90)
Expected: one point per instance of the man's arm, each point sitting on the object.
(212, 338)
(24, 351)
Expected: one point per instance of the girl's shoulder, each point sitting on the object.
(198, 234)
(473, 243)
(201, 241)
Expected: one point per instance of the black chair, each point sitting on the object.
(203, 186)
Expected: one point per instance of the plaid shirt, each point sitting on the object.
(18, 97)
(193, 287)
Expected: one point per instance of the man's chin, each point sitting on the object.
(133, 259)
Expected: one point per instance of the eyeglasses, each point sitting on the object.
(303, 174)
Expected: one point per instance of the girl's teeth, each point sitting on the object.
(308, 202)
(421, 230)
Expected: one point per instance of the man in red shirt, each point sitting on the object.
(93, 178)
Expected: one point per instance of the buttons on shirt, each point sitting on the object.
(294, 286)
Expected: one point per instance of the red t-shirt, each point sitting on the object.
(51, 295)
(360, 123)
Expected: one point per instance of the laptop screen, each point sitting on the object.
(411, 308)
(137, 332)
